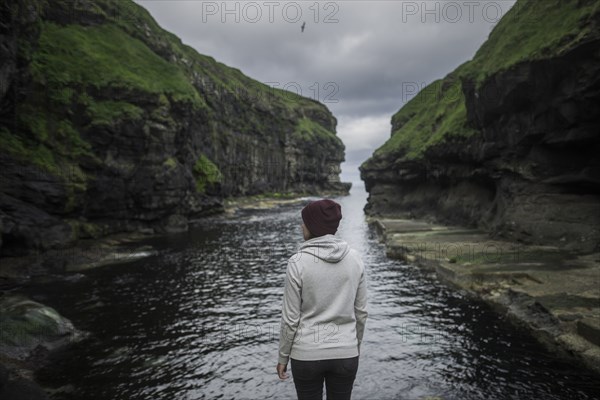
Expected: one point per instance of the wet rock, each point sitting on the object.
(28, 326)
(590, 329)
(550, 292)
(176, 223)
(26, 227)
(29, 332)
(569, 317)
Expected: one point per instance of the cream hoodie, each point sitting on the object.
(324, 303)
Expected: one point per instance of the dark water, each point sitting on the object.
(200, 320)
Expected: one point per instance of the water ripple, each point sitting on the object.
(201, 320)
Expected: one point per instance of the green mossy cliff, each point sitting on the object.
(509, 141)
(111, 124)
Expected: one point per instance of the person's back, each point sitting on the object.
(324, 308)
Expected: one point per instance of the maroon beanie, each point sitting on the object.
(322, 217)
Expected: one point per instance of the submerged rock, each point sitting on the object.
(29, 326)
(29, 331)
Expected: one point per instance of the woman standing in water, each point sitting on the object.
(324, 308)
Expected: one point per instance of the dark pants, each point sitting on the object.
(338, 374)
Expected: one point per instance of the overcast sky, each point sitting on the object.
(362, 59)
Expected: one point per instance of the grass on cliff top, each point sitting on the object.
(139, 23)
(106, 112)
(136, 26)
(308, 130)
(105, 56)
(70, 59)
(532, 29)
(437, 112)
(218, 77)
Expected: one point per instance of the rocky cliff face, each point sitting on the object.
(509, 141)
(109, 124)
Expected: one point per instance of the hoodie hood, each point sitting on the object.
(328, 248)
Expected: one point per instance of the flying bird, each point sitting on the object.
(303, 26)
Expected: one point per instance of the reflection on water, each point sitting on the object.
(201, 318)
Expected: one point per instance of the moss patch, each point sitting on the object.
(44, 136)
(206, 173)
(170, 163)
(37, 154)
(309, 131)
(106, 112)
(278, 195)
